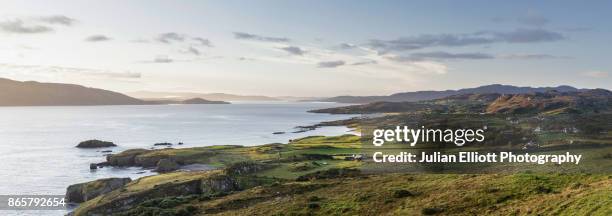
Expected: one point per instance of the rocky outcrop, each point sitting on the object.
(244, 168)
(123, 203)
(82, 192)
(125, 158)
(95, 144)
(166, 165)
(210, 185)
(218, 184)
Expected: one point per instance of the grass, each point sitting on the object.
(449, 194)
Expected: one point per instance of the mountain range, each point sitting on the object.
(147, 95)
(30, 93)
(431, 95)
(550, 102)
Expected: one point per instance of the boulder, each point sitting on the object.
(82, 192)
(93, 166)
(95, 144)
(166, 165)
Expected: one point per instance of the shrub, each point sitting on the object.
(402, 193)
(431, 210)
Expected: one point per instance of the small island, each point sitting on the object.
(95, 144)
(202, 101)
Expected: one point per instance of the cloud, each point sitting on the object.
(193, 50)
(527, 36)
(97, 38)
(455, 40)
(365, 62)
(170, 37)
(530, 56)
(247, 36)
(203, 41)
(20, 27)
(347, 46)
(533, 19)
(595, 74)
(577, 29)
(57, 19)
(446, 55)
(293, 50)
(34, 25)
(162, 59)
(331, 64)
(73, 71)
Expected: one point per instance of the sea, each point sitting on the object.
(37, 144)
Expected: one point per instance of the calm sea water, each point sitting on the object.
(37, 144)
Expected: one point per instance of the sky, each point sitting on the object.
(306, 48)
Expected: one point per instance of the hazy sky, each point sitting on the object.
(307, 48)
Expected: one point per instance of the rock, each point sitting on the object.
(95, 144)
(180, 143)
(166, 165)
(125, 158)
(93, 166)
(280, 132)
(163, 144)
(102, 164)
(149, 160)
(82, 192)
(244, 168)
(106, 151)
(219, 184)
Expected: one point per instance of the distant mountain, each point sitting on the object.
(430, 95)
(30, 93)
(202, 101)
(596, 100)
(296, 98)
(550, 102)
(206, 96)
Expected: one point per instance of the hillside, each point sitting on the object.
(597, 100)
(30, 93)
(312, 176)
(430, 95)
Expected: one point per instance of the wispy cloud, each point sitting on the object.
(202, 41)
(162, 59)
(533, 19)
(367, 62)
(446, 55)
(530, 56)
(193, 50)
(20, 27)
(595, 74)
(247, 36)
(294, 50)
(170, 37)
(97, 38)
(347, 46)
(57, 19)
(476, 38)
(70, 71)
(34, 25)
(331, 64)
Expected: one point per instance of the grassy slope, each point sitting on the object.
(518, 194)
(523, 194)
